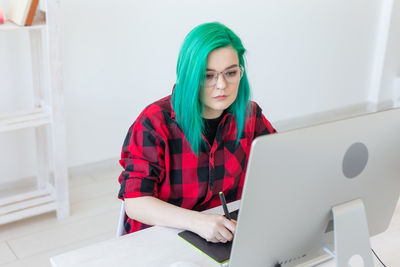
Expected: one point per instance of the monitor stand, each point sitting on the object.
(351, 234)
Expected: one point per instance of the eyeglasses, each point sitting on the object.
(232, 75)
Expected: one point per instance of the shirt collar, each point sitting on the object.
(173, 116)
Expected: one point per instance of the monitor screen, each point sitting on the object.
(295, 178)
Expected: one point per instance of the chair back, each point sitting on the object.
(121, 228)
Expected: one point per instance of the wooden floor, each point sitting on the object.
(94, 217)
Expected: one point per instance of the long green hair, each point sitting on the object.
(191, 70)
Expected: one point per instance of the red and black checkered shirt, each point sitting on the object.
(158, 160)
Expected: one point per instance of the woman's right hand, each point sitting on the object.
(214, 227)
(153, 211)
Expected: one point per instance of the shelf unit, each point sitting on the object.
(10, 26)
(47, 119)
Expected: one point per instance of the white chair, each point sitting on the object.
(121, 228)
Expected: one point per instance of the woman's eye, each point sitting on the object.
(209, 76)
(231, 73)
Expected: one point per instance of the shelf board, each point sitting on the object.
(30, 118)
(26, 205)
(11, 26)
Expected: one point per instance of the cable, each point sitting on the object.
(378, 257)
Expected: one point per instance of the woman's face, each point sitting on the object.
(220, 96)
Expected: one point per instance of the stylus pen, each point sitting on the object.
(223, 202)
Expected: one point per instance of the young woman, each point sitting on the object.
(184, 149)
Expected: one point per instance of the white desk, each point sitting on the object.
(160, 246)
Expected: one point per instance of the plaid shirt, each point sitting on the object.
(158, 160)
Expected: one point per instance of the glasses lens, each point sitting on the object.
(232, 75)
(211, 78)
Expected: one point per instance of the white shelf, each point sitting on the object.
(26, 205)
(30, 118)
(10, 26)
(44, 34)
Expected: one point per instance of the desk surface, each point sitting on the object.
(160, 246)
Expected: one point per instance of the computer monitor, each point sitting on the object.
(307, 187)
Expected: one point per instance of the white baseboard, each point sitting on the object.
(102, 166)
(331, 115)
(93, 168)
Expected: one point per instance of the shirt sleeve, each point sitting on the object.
(142, 158)
(262, 125)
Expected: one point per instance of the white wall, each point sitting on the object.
(391, 68)
(304, 57)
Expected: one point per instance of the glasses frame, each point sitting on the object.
(215, 80)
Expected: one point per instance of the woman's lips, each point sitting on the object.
(220, 97)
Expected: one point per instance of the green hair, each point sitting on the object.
(191, 70)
